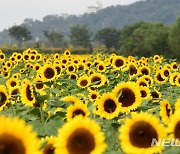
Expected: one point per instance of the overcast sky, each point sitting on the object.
(15, 11)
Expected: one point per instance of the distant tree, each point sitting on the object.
(55, 39)
(109, 37)
(174, 38)
(80, 36)
(147, 39)
(20, 33)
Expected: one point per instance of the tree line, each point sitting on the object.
(141, 38)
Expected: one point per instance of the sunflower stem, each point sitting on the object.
(41, 112)
(13, 111)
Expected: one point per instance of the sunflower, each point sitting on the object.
(49, 146)
(71, 99)
(3, 97)
(137, 134)
(71, 68)
(159, 78)
(16, 137)
(83, 81)
(32, 57)
(19, 57)
(37, 67)
(148, 78)
(58, 69)
(177, 82)
(27, 95)
(174, 125)
(97, 79)
(142, 82)
(157, 59)
(56, 56)
(172, 78)
(165, 111)
(14, 92)
(80, 136)
(93, 95)
(73, 76)
(155, 95)
(133, 69)
(128, 95)
(165, 72)
(77, 109)
(108, 106)
(101, 67)
(174, 66)
(145, 70)
(177, 105)
(2, 57)
(48, 73)
(12, 82)
(67, 53)
(118, 62)
(145, 92)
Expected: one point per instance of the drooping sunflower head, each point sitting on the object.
(77, 109)
(3, 96)
(165, 111)
(174, 125)
(16, 137)
(173, 77)
(108, 106)
(81, 135)
(27, 95)
(128, 95)
(137, 134)
(48, 73)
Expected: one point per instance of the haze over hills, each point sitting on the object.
(165, 11)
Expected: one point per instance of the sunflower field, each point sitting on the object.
(88, 104)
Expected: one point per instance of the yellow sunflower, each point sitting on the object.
(12, 82)
(16, 137)
(172, 78)
(48, 73)
(128, 95)
(27, 95)
(108, 106)
(158, 78)
(14, 93)
(177, 82)
(49, 147)
(137, 134)
(174, 66)
(155, 95)
(174, 125)
(118, 62)
(80, 136)
(97, 79)
(145, 70)
(145, 92)
(165, 111)
(71, 99)
(77, 109)
(83, 81)
(165, 72)
(93, 95)
(101, 67)
(2, 57)
(73, 76)
(3, 97)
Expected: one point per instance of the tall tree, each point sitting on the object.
(109, 37)
(55, 39)
(174, 38)
(20, 33)
(80, 36)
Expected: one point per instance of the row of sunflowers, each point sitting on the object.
(88, 104)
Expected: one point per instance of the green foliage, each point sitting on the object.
(80, 36)
(108, 37)
(55, 39)
(174, 38)
(20, 33)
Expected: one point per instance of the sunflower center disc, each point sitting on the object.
(81, 141)
(141, 134)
